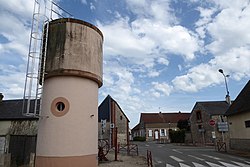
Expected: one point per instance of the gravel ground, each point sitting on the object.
(124, 161)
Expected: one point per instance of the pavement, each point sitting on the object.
(124, 161)
(140, 161)
(245, 154)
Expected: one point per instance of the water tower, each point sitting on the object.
(68, 124)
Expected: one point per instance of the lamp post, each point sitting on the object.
(225, 77)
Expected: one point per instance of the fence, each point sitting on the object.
(130, 148)
(221, 146)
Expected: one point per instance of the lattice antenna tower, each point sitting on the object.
(44, 11)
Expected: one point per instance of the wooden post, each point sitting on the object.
(116, 151)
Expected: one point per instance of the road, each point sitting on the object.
(169, 155)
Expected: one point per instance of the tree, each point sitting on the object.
(183, 124)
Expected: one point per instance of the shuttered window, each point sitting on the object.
(247, 124)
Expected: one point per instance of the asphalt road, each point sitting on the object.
(170, 155)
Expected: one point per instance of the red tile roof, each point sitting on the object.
(163, 117)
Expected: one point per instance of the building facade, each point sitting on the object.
(156, 126)
(204, 120)
(17, 132)
(110, 117)
(238, 116)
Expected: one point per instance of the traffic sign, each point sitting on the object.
(223, 126)
(212, 122)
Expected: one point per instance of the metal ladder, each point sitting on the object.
(36, 60)
(33, 88)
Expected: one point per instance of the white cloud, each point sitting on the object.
(156, 94)
(84, 2)
(118, 79)
(144, 40)
(16, 33)
(162, 60)
(235, 62)
(16, 17)
(179, 67)
(12, 81)
(229, 27)
(92, 6)
(153, 10)
(198, 77)
(15, 28)
(164, 88)
(22, 8)
(153, 73)
(205, 19)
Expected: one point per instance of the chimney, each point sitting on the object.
(228, 100)
(1, 97)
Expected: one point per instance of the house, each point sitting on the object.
(17, 132)
(204, 119)
(110, 117)
(156, 126)
(238, 116)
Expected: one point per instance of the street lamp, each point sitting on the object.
(225, 77)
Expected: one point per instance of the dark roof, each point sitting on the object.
(212, 107)
(241, 103)
(163, 117)
(12, 110)
(105, 108)
(137, 127)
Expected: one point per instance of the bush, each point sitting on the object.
(177, 136)
(139, 138)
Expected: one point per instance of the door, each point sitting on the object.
(156, 134)
(20, 148)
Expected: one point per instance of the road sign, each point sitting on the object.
(212, 122)
(223, 126)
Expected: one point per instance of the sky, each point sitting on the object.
(158, 55)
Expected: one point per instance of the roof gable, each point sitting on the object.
(212, 107)
(105, 108)
(241, 103)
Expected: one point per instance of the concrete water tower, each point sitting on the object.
(68, 126)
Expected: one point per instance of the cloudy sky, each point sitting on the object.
(159, 55)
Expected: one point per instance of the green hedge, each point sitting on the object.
(177, 136)
(139, 138)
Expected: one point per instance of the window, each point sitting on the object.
(247, 124)
(162, 132)
(150, 133)
(198, 115)
(59, 106)
(199, 126)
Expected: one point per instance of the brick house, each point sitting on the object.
(156, 126)
(201, 115)
(17, 132)
(238, 116)
(111, 116)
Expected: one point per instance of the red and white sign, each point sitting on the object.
(212, 122)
